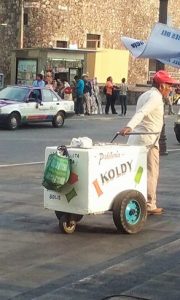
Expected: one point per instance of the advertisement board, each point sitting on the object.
(26, 71)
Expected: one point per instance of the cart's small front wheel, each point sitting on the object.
(77, 218)
(129, 211)
(59, 214)
(67, 224)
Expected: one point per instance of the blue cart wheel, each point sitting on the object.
(132, 212)
(129, 211)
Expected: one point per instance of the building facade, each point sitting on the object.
(80, 24)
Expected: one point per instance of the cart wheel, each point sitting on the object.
(129, 211)
(77, 218)
(67, 224)
(59, 214)
(177, 132)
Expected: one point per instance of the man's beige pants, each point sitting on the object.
(152, 177)
(87, 103)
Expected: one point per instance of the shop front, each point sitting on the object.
(62, 62)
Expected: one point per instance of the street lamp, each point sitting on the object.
(163, 8)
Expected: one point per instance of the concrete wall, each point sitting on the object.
(71, 20)
(108, 62)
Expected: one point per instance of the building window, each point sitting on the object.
(93, 41)
(61, 44)
(25, 18)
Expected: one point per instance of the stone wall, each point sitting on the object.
(71, 20)
(9, 14)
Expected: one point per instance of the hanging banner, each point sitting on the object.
(163, 45)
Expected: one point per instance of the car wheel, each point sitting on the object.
(129, 211)
(13, 121)
(58, 120)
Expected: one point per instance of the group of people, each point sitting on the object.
(86, 93)
(87, 96)
(62, 87)
(172, 99)
(113, 92)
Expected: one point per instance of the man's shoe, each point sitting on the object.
(156, 211)
(115, 113)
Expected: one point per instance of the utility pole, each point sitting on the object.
(163, 12)
(21, 27)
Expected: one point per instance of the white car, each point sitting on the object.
(25, 104)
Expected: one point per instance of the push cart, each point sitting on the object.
(106, 177)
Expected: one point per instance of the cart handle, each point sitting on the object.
(134, 133)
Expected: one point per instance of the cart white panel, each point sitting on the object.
(98, 175)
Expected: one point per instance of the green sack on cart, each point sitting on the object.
(57, 170)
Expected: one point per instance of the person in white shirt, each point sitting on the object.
(149, 118)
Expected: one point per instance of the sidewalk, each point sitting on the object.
(150, 272)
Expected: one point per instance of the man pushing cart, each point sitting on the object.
(149, 118)
(114, 177)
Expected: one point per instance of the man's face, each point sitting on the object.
(165, 89)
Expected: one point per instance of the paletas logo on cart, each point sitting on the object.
(109, 155)
(111, 174)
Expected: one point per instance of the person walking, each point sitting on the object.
(149, 118)
(109, 96)
(123, 96)
(79, 96)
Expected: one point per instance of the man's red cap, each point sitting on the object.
(163, 77)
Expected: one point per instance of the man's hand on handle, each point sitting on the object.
(125, 131)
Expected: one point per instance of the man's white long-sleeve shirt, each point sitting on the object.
(148, 118)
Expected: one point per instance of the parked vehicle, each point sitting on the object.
(26, 104)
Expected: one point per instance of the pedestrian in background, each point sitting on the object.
(66, 91)
(170, 103)
(79, 96)
(50, 82)
(109, 96)
(87, 94)
(39, 82)
(123, 96)
(97, 95)
(149, 118)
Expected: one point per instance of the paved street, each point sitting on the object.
(38, 262)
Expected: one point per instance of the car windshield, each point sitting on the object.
(14, 93)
